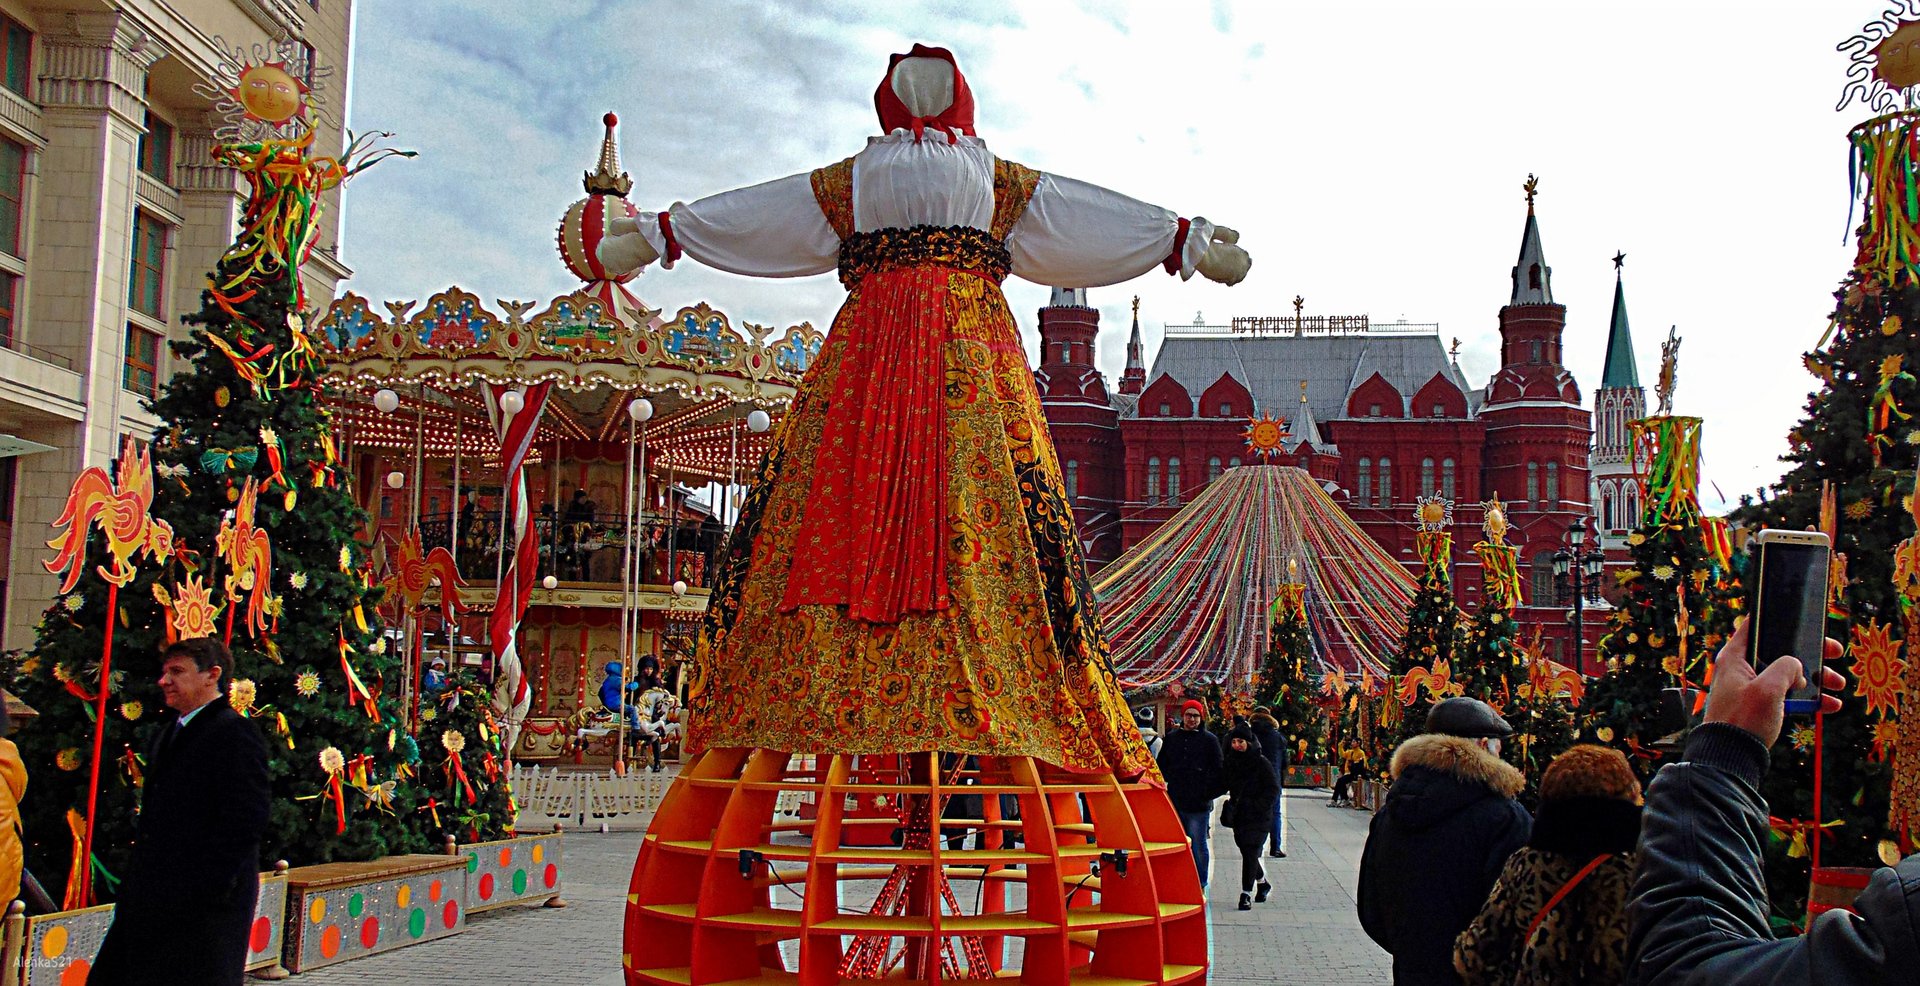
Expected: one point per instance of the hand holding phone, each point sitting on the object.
(1754, 700)
(1789, 608)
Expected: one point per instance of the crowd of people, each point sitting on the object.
(1462, 885)
(1604, 883)
(1248, 771)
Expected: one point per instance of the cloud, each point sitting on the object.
(1371, 157)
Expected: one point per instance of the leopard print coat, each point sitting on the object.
(1582, 940)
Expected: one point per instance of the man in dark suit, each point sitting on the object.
(183, 914)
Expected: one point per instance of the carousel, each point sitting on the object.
(550, 484)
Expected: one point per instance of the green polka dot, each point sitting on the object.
(473, 861)
(519, 882)
(417, 923)
(355, 904)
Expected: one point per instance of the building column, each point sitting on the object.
(91, 86)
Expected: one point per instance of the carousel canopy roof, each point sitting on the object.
(1191, 602)
(599, 348)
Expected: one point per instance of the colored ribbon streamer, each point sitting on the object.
(1671, 446)
(1883, 177)
(457, 782)
(356, 690)
(1795, 833)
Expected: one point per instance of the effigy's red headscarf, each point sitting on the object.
(955, 119)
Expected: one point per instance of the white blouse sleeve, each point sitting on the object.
(774, 229)
(1078, 235)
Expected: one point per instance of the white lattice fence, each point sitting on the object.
(584, 794)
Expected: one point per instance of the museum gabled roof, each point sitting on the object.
(1333, 364)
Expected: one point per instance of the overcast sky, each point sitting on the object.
(1371, 155)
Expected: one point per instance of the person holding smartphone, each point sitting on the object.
(1699, 904)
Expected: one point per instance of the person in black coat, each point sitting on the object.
(1273, 746)
(1438, 844)
(1251, 792)
(183, 914)
(1190, 762)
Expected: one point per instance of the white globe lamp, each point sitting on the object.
(386, 400)
(758, 421)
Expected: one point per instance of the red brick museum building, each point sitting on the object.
(1379, 413)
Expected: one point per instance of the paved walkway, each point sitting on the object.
(1307, 932)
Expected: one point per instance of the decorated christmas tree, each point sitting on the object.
(1654, 639)
(1851, 461)
(1542, 711)
(1487, 661)
(1287, 680)
(1423, 668)
(1356, 733)
(464, 768)
(236, 522)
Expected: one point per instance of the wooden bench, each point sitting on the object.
(341, 911)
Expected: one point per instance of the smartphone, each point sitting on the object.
(1789, 610)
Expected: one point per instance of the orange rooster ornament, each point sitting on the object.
(120, 507)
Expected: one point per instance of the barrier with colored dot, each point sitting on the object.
(511, 870)
(341, 911)
(1308, 775)
(58, 949)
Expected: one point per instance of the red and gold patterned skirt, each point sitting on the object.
(905, 575)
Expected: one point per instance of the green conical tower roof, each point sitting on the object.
(1620, 370)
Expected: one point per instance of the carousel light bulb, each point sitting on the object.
(396, 479)
(512, 403)
(640, 409)
(386, 400)
(550, 582)
(758, 421)
(679, 587)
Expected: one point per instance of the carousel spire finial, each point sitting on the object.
(607, 178)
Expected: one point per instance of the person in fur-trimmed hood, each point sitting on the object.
(1440, 841)
(1559, 912)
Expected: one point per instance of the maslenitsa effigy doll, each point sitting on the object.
(905, 575)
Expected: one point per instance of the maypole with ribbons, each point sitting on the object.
(1189, 604)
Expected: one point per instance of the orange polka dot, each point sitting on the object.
(330, 941)
(433, 890)
(506, 856)
(76, 974)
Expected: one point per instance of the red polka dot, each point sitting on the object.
(451, 916)
(330, 941)
(551, 875)
(486, 886)
(262, 935)
(370, 932)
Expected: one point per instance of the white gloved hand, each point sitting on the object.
(623, 225)
(1224, 260)
(624, 253)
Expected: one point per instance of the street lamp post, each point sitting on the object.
(1580, 570)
